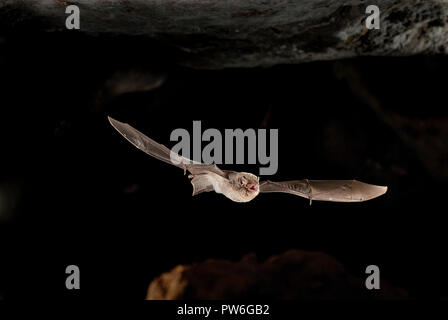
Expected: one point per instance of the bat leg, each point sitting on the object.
(201, 183)
(193, 176)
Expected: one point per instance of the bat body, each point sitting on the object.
(228, 186)
(243, 186)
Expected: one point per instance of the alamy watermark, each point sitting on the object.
(73, 21)
(72, 280)
(373, 20)
(220, 149)
(373, 280)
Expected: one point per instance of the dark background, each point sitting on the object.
(73, 191)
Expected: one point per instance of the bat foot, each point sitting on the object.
(193, 176)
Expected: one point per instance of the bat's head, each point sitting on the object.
(247, 185)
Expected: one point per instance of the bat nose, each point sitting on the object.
(253, 187)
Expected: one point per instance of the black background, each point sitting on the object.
(80, 194)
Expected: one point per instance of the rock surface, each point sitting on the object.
(248, 33)
(292, 275)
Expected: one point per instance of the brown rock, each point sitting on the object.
(292, 275)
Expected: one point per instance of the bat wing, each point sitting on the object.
(326, 190)
(161, 152)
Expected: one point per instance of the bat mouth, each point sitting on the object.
(252, 187)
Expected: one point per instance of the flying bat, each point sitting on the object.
(243, 186)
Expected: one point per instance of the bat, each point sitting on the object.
(243, 186)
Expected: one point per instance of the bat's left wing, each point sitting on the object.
(161, 152)
(326, 190)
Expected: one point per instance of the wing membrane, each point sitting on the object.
(326, 190)
(161, 152)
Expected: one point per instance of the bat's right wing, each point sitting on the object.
(159, 151)
(326, 190)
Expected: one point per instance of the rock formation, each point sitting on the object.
(292, 275)
(248, 33)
